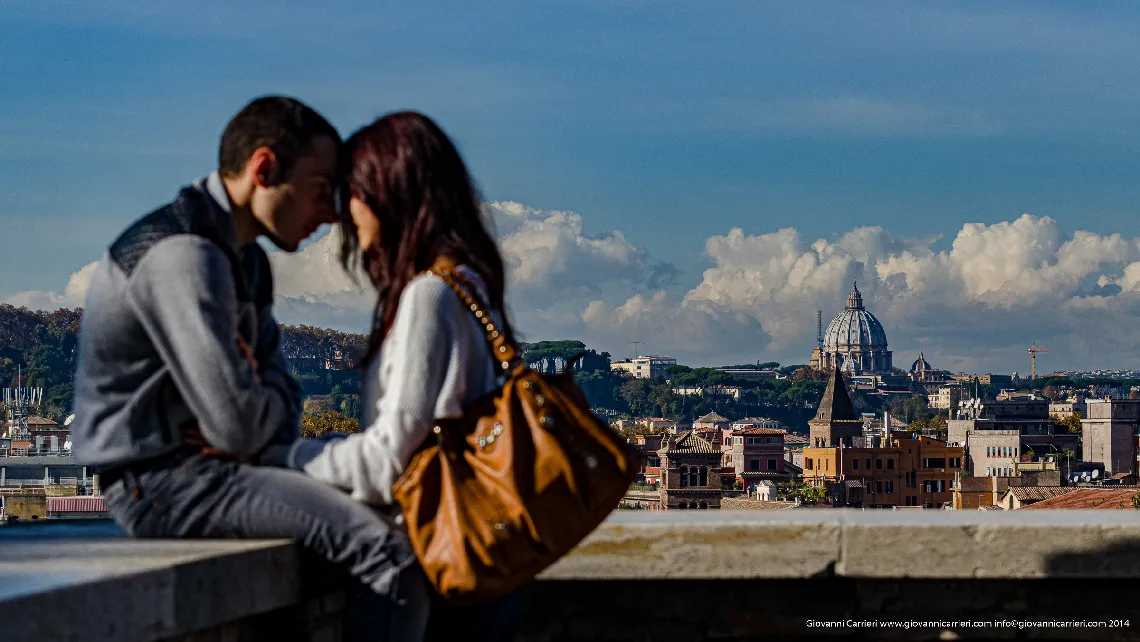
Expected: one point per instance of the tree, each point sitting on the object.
(935, 424)
(313, 406)
(809, 494)
(636, 393)
(660, 397)
(316, 426)
(915, 408)
(1070, 423)
(1052, 392)
(350, 407)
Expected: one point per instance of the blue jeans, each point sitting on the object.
(208, 497)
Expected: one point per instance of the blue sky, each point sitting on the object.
(671, 122)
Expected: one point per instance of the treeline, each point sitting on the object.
(42, 347)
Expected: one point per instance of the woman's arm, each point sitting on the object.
(425, 379)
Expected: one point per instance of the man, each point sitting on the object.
(181, 383)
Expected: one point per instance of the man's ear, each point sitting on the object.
(263, 167)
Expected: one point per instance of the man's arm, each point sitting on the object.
(183, 294)
(274, 373)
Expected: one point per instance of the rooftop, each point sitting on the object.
(759, 431)
(711, 418)
(1039, 493)
(691, 442)
(1089, 498)
(836, 403)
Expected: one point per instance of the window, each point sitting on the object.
(703, 481)
(684, 472)
(933, 462)
(855, 464)
(890, 487)
(740, 441)
(807, 463)
(878, 486)
(989, 451)
(890, 464)
(868, 463)
(987, 471)
(754, 464)
(654, 462)
(878, 464)
(772, 464)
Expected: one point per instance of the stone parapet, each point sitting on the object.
(723, 575)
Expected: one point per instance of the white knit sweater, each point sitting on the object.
(434, 361)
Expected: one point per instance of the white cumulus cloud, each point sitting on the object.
(976, 305)
(72, 297)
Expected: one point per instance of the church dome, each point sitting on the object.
(855, 328)
(920, 364)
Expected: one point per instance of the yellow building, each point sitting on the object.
(913, 471)
(25, 507)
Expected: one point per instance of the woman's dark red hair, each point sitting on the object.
(409, 173)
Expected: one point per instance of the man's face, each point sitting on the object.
(291, 211)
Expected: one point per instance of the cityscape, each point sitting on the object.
(829, 433)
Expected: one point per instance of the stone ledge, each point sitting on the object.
(805, 543)
(871, 564)
(132, 590)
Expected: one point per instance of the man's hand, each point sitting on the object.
(192, 436)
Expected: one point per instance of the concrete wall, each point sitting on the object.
(686, 577)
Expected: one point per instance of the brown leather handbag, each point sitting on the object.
(498, 495)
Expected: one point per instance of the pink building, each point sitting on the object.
(755, 454)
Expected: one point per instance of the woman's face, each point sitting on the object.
(367, 225)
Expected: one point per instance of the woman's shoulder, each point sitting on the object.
(430, 288)
(430, 292)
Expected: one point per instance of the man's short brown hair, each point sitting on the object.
(285, 125)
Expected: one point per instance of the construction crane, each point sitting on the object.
(1033, 350)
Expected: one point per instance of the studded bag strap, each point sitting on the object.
(503, 348)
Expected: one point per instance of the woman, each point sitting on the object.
(413, 204)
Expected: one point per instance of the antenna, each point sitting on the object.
(636, 350)
(19, 402)
(819, 327)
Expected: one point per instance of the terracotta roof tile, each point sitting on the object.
(1089, 499)
(759, 431)
(693, 443)
(1039, 493)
